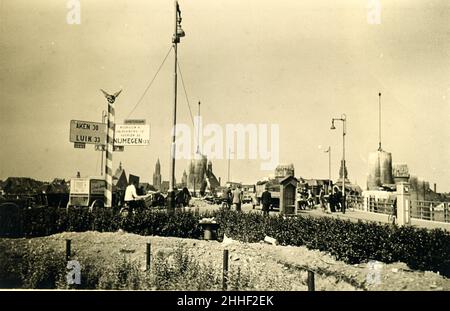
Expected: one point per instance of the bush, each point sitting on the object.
(38, 268)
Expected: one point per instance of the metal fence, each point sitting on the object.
(381, 206)
(430, 210)
(355, 202)
(418, 209)
(370, 204)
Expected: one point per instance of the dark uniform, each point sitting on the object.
(266, 199)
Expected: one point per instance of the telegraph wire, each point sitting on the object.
(185, 93)
(151, 82)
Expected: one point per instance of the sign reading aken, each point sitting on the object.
(131, 135)
(87, 132)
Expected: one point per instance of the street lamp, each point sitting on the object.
(178, 33)
(343, 118)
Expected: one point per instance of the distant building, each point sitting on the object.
(184, 179)
(157, 176)
(201, 176)
(120, 181)
(343, 173)
(164, 186)
(380, 170)
(146, 187)
(22, 185)
(284, 170)
(58, 185)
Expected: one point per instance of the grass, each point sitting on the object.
(42, 268)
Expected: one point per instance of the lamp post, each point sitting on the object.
(178, 33)
(343, 118)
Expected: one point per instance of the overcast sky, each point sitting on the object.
(293, 63)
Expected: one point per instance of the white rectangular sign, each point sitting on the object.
(131, 135)
(87, 132)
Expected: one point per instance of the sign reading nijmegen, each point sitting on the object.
(87, 132)
(131, 135)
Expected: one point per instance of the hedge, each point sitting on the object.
(348, 241)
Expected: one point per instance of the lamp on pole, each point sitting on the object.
(343, 118)
(178, 33)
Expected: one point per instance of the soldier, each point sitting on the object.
(266, 199)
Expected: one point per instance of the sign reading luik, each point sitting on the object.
(87, 132)
(131, 135)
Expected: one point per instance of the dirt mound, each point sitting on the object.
(269, 267)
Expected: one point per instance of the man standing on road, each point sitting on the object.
(237, 198)
(266, 198)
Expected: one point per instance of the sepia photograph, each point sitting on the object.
(210, 147)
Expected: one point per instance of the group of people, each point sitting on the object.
(335, 200)
(308, 199)
(305, 199)
(134, 195)
(233, 197)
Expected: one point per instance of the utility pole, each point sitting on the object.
(229, 157)
(178, 33)
(379, 122)
(104, 116)
(198, 130)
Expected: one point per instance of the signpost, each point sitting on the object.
(87, 132)
(109, 149)
(132, 135)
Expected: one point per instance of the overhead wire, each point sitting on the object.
(151, 82)
(185, 93)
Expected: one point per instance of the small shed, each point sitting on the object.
(288, 191)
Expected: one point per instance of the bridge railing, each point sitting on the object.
(430, 210)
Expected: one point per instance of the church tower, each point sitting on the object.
(157, 176)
